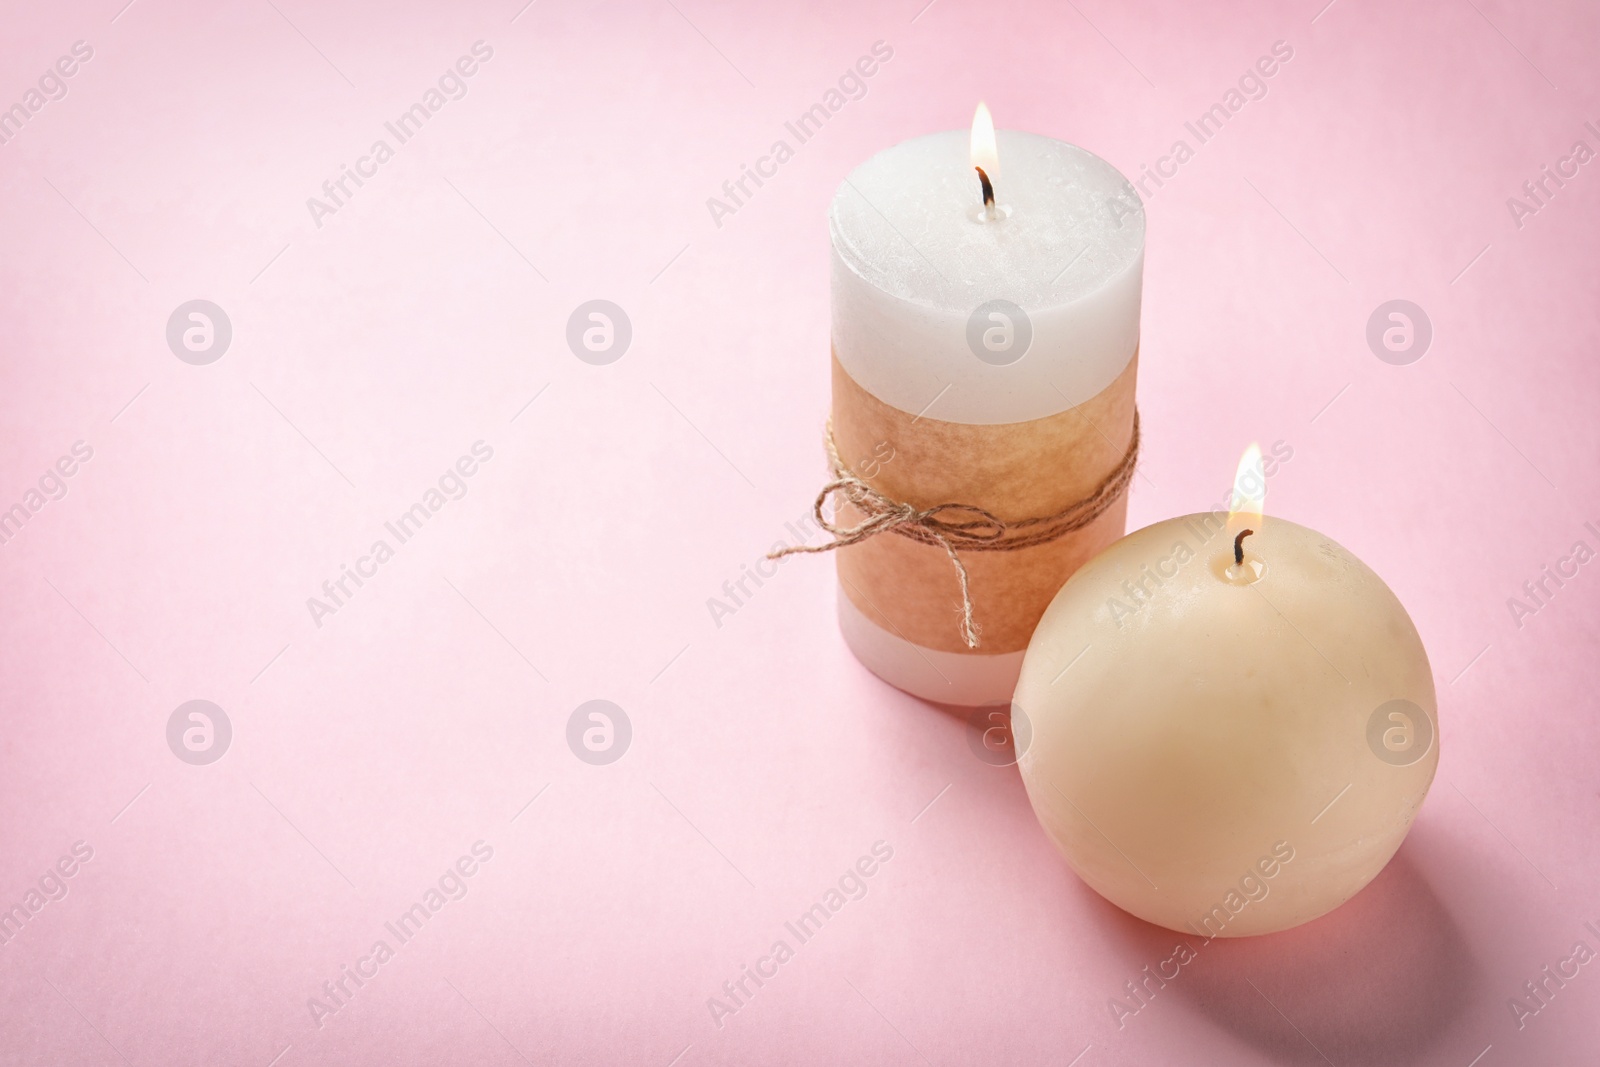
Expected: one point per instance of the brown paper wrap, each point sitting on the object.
(1015, 471)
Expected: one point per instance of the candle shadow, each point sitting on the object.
(1376, 981)
(988, 730)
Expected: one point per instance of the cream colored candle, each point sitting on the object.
(1226, 748)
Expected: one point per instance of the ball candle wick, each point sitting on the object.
(988, 191)
(1238, 547)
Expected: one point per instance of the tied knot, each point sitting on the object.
(953, 526)
(962, 525)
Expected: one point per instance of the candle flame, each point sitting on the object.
(984, 152)
(1249, 492)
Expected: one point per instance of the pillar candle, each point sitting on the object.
(989, 352)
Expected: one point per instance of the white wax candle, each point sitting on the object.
(1224, 749)
(916, 257)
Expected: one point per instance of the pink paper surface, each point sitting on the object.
(375, 345)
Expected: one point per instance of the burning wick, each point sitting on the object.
(985, 158)
(1238, 547)
(988, 191)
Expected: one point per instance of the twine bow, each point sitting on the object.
(955, 526)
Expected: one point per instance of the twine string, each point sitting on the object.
(955, 526)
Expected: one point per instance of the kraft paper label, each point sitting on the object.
(1015, 471)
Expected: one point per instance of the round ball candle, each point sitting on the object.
(985, 332)
(1231, 731)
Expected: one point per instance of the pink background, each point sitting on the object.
(368, 354)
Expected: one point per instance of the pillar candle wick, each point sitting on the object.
(988, 191)
(1238, 547)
